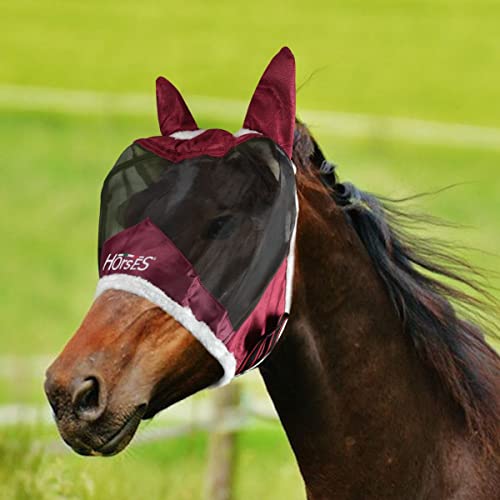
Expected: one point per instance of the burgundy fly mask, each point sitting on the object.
(202, 222)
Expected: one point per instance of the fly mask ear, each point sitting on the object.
(173, 113)
(272, 108)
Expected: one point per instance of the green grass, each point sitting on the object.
(427, 58)
(173, 469)
(430, 59)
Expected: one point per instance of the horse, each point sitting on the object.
(384, 384)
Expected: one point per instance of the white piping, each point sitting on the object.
(186, 135)
(290, 268)
(200, 330)
(290, 265)
(245, 131)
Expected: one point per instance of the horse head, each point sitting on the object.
(196, 240)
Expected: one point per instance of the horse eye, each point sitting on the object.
(220, 228)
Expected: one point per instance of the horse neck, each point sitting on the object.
(357, 405)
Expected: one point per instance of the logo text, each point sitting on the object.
(127, 261)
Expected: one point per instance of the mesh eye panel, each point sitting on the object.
(231, 217)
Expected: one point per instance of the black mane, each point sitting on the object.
(428, 285)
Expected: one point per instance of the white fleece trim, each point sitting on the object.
(186, 135)
(200, 330)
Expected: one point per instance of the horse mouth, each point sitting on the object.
(118, 441)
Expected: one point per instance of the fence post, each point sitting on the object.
(222, 443)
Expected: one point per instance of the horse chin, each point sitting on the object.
(119, 441)
(113, 436)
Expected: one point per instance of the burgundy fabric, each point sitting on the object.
(260, 331)
(173, 113)
(272, 108)
(214, 142)
(271, 113)
(168, 269)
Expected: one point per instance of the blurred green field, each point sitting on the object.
(427, 58)
(432, 60)
(173, 469)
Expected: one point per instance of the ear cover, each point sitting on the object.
(272, 108)
(173, 113)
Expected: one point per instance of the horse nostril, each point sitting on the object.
(88, 399)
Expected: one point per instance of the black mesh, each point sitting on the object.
(232, 217)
